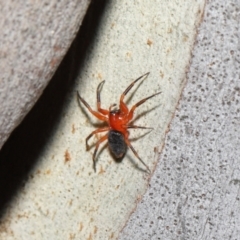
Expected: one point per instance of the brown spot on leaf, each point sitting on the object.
(67, 156)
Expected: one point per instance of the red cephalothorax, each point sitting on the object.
(118, 124)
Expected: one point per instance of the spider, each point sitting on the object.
(118, 124)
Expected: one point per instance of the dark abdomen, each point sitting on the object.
(116, 143)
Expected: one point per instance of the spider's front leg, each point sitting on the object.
(123, 106)
(130, 115)
(101, 110)
(95, 113)
(135, 126)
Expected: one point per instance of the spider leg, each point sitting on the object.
(96, 114)
(123, 106)
(130, 115)
(132, 84)
(94, 132)
(136, 154)
(96, 148)
(134, 126)
(101, 110)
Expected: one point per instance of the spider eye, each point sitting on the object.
(115, 110)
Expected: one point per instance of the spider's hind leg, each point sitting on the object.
(136, 154)
(96, 148)
(95, 132)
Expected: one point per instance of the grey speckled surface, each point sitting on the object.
(195, 191)
(34, 37)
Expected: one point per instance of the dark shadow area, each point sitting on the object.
(20, 153)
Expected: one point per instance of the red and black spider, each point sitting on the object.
(118, 124)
